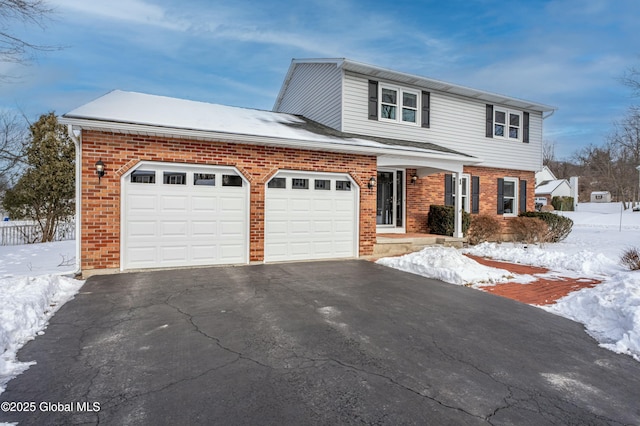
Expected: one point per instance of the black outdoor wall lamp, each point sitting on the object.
(414, 178)
(99, 169)
(372, 183)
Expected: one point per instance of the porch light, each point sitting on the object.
(99, 169)
(372, 183)
(414, 178)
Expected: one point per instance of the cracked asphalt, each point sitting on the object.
(319, 343)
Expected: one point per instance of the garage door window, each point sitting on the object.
(174, 178)
(231, 180)
(300, 183)
(143, 176)
(208, 179)
(323, 184)
(343, 185)
(279, 183)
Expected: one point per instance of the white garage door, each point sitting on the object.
(183, 215)
(310, 216)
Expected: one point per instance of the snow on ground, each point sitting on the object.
(32, 288)
(601, 233)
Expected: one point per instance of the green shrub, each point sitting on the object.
(529, 230)
(483, 228)
(441, 220)
(559, 226)
(564, 204)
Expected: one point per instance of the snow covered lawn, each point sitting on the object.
(601, 232)
(32, 289)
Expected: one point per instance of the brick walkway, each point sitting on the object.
(544, 291)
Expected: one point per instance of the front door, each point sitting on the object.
(390, 201)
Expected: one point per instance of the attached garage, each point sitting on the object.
(183, 215)
(310, 216)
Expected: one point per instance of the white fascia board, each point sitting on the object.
(452, 164)
(366, 148)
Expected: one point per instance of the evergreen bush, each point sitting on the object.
(441, 220)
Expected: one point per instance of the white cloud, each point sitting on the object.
(134, 11)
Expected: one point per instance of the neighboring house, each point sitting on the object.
(600, 197)
(350, 151)
(548, 186)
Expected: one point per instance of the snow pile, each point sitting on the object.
(28, 302)
(610, 311)
(450, 265)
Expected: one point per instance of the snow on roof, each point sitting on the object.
(549, 186)
(140, 109)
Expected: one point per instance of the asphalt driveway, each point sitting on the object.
(330, 343)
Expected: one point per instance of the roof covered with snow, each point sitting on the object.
(419, 81)
(133, 111)
(549, 186)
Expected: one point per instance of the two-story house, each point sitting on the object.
(350, 151)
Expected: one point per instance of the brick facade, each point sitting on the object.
(430, 190)
(100, 205)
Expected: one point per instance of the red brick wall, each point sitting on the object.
(100, 225)
(430, 190)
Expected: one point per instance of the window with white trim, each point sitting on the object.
(507, 124)
(399, 104)
(510, 197)
(465, 191)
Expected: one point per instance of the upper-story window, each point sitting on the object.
(397, 104)
(507, 124)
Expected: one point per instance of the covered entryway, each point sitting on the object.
(183, 215)
(310, 216)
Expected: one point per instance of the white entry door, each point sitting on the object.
(183, 215)
(310, 216)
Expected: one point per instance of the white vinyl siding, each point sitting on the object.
(315, 92)
(456, 123)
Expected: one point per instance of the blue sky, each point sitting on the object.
(566, 53)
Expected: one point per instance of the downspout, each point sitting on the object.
(77, 141)
(553, 111)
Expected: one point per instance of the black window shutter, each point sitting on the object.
(525, 127)
(489, 129)
(523, 196)
(373, 100)
(475, 194)
(500, 196)
(448, 190)
(426, 109)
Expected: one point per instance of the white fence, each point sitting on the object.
(18, 233)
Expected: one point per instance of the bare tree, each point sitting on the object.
(14, 137)
(631, 78)
(548, 152)
(13, 48)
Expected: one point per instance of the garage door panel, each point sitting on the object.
(142, 255)
(184, 225)
(142, 203)
(142, 229)
(232, 205)
(174, 204)
(202, 204)
(173, 229)
(310, 224)
(204, 229)
(177, 253)
(204, 253)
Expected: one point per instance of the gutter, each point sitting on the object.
(78, 145)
